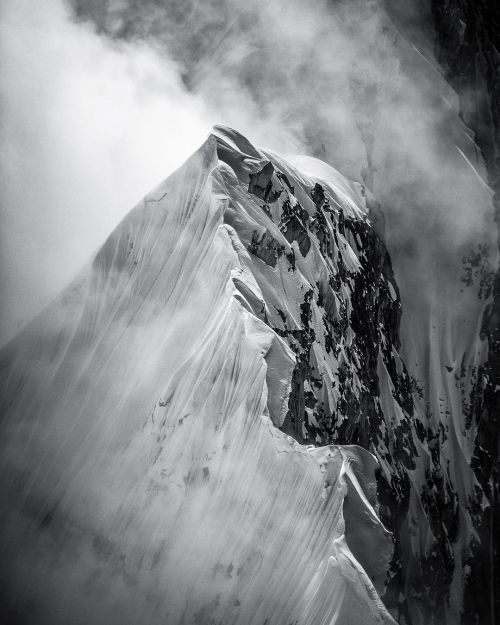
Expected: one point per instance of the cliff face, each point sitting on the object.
(467, 45)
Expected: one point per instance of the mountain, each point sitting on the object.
(143, 472)
(214, 424)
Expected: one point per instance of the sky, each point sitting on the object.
(100, 101)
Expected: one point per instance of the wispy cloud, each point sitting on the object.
(99, 110)
(88, 127)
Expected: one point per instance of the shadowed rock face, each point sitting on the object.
(467, 45)
(349, 385)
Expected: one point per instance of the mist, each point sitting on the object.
(102, 100)
(88, 127)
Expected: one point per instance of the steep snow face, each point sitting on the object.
(144, 477)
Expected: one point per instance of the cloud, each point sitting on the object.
(88, 127)
(338, 80)
(97, 111)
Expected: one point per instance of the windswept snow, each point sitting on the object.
(142, 472)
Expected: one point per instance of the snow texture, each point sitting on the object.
(143, 473)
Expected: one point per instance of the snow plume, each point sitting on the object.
(99, 107)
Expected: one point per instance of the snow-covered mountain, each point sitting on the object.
(213, 423)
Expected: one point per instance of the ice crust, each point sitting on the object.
(143, 475)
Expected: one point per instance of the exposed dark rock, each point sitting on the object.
(263, 184)
(293, 224)
(468, 43)
(266, 248)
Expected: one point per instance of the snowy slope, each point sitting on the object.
(143, 475)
